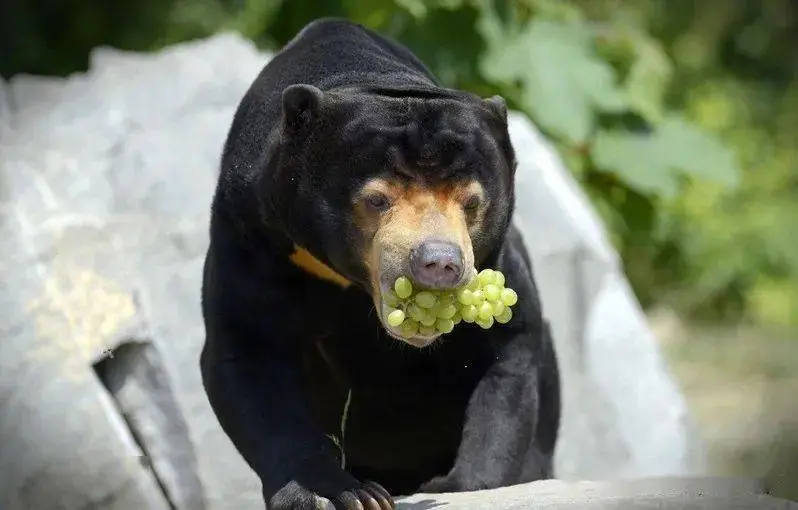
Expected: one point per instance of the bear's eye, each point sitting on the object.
(377, 201)
(472, 204)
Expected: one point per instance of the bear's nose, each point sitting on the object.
(436, 264)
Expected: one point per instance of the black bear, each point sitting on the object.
(347, 165)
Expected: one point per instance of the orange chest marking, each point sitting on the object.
(310, 264)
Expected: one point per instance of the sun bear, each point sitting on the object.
(347, 165)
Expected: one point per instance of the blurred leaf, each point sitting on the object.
(555, 10)
(652, 163)
(377, 14)
(638, 213)
(648, 79)
(431, 40)
(564, 83)
(619, 152)
(774, 302)
(415, 7)
(573, 159)
(644, 63)
(256, 15)
(698, 152)
(713, 107)
(419, 8)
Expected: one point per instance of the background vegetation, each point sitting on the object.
(680, 117)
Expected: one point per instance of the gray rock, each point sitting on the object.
(105, 183)
(106, 180)
(656, 493)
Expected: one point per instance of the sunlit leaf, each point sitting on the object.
(620, 152)
(648, 79)
(653, 163)
(697, 152)
(564, 83)
(415, 7)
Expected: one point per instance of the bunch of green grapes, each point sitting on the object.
(483, 301)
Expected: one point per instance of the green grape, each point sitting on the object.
(403, 287)
(428, 319)
(410, 327)
(485, 311)
(431, 313)
(444, 325)
(483, 300)
(445, 299)
(486, 277)
(447, 312)
(509, 297)
(505, 316)
(492, 292)
(469, 313)
(426, 330)
(390, 299)
(415, 312)
(465, 296)
(395, 318)
(426, 299)
(485, 323)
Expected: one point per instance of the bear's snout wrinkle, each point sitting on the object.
(437, 264)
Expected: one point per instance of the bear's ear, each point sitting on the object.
(497, 105)
(301, 104)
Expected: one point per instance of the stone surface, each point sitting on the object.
(105, 182)
(660, 494)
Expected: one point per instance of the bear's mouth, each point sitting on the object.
(418, 340)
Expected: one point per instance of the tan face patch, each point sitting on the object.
(410, 214)
(310, 264)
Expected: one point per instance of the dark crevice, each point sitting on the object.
(9, 105)
(135, 376)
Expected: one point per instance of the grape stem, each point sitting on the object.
(344, 416)
(340, 442)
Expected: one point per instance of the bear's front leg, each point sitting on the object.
(250, 367)
(258, 404)
(511, 421)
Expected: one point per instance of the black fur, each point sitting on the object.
(478, 409)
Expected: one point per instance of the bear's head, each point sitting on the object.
(381, 183)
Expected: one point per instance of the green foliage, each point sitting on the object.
(676, 148)
(563, 84)
(678, 117)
